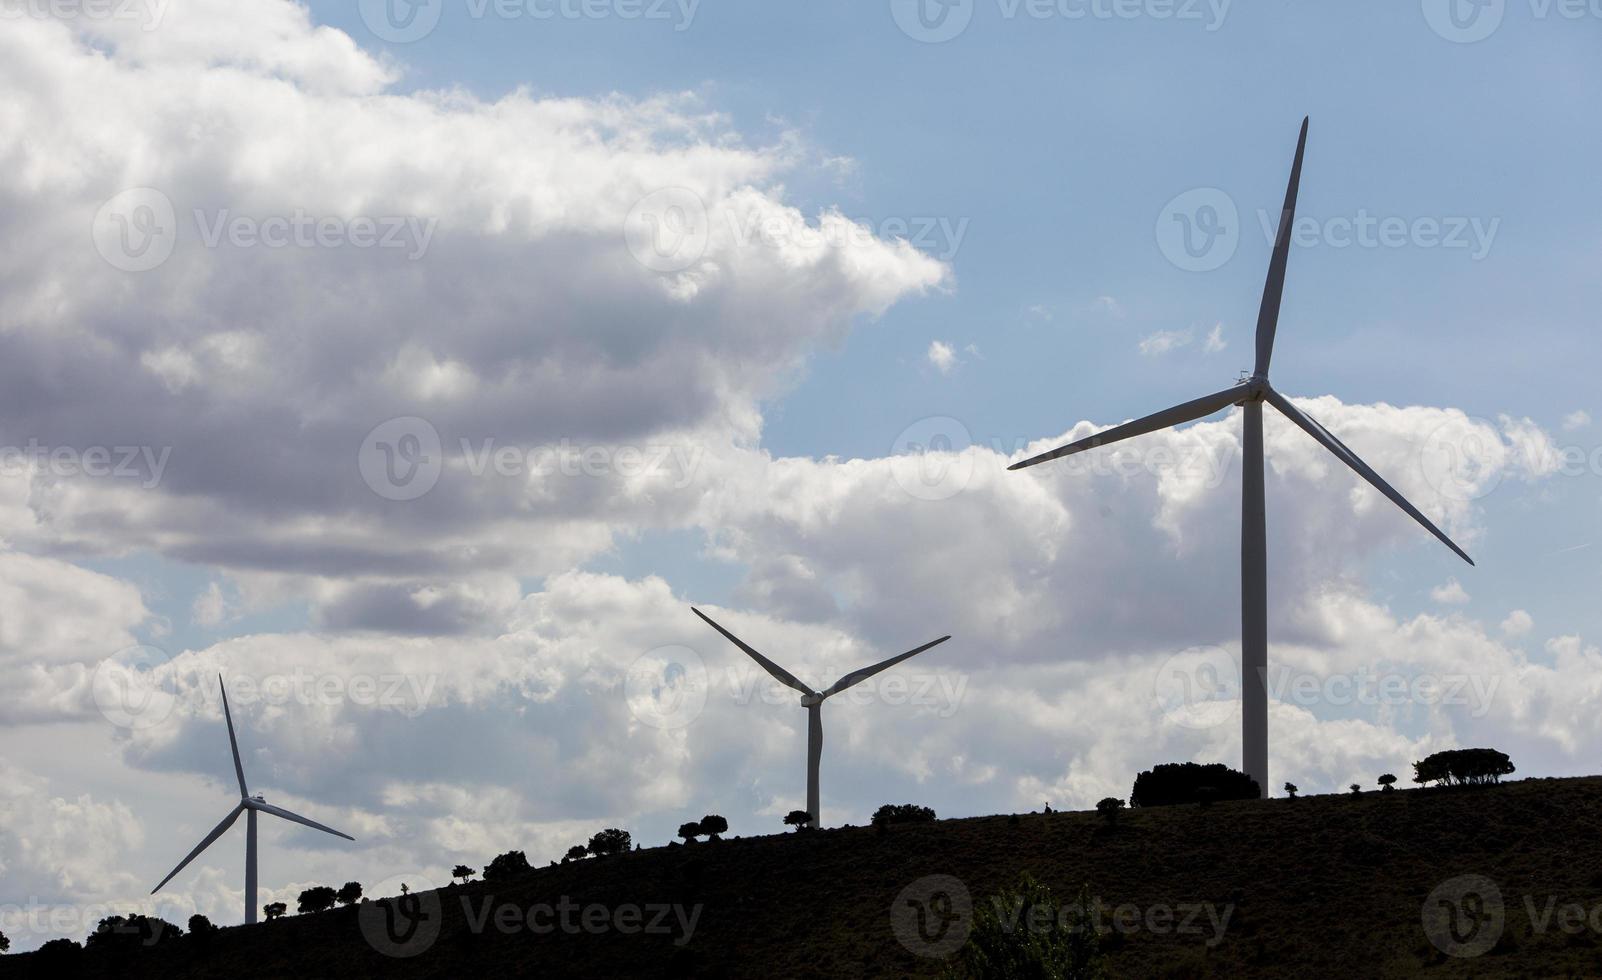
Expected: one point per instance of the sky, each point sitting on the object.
(417, 367)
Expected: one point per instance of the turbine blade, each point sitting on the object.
(279, 811)
(858, 676)
(1268, 314)
(216, 832)
(233, 743)
(1178, 415)
(779, 673)
(1345, 454)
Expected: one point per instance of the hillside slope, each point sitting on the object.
(1316, 886)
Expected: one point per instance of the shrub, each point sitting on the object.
(119, 933)
(1291, 790)
(349, 893)
(58, 954)
(799, 819)
(577, 852)
(5, 943)
(1108, 808)
(318, 898)
(1463, 767)
(200, 926)
(274, 910)
(1173, 783)
(463, 872)
(712, 825)
(1387, 782)
(613, 841)
(903, 813)
(1025, 932)
(1357, 790)
(505, 867)
(690, 831)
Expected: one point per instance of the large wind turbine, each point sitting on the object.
(1251, 394)
(248, 805)
(813, 700)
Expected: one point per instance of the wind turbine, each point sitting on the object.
(1251, 393)
(813, 700)
(248, 805)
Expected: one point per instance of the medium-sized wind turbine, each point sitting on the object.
(248, 805)
(813, 700)
(1251, 394)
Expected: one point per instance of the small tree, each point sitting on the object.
(349, 893)
(903, 813)
(5, 943)
(318, 898)
(1387, 783)
(1290, 790)
(200, 926)
(690, 831)
(59, 954)
(577, 852)
(512, 864)
(713, 825)
(1108, 808)
(1026, 931)
(123, 933)
(1357, 790)
(799, 819)
(613, 841)
(274, 910)
(463, 872)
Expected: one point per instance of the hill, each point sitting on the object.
(1314, 886)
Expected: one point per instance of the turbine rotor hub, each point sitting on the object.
(811, 700)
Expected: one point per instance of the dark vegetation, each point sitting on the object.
(1173, 783)
(1463, 767)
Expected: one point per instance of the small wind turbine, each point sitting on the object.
(1251, 392)
(248, 805)
(813, 700)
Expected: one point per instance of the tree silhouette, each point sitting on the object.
(318, 898)
(903, 813)
(1108, 808)
(350, 893)
(200, 926)
(1387, 782)
(577, 852)
(122, 933)
(59, 954)
(1000, 945)
(274, 910)
(1468, 767)
(1357, 789)
(5, 943)
(1290, 790)
(613, 841)
(512, 864)
(1173, 783)
(690, 831)
(463, 872)
(799, 819)
(712, 825)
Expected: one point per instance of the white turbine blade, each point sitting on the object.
(233, 743)
(779, 673)
(1345, 454)
(1178, 415)
(1274, 288)
(858, 676)
(279, 811)
(217, 832)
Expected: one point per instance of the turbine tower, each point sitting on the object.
(248, 805)
(813, 700)
(1251, 394)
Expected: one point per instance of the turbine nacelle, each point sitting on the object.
(811, 700)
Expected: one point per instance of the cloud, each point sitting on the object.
(1164, 341)
(941, 356)
(1575, 420)
(1215, 339)
(1518, 623)
(1451, 594)
(1107, 306)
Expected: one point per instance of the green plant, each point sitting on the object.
(613, 841)
(1291, 790)
(463, 872)
(712, 825)
(1182, 782)
(577, 852)
(1357, 789)
(1108, 808)
(799, 819)
(1026, 933)
(690, 831)
(1387, 782)
(903, 813)
(1464, 767)
(318, 898)
(274, 910)
(512, 864)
